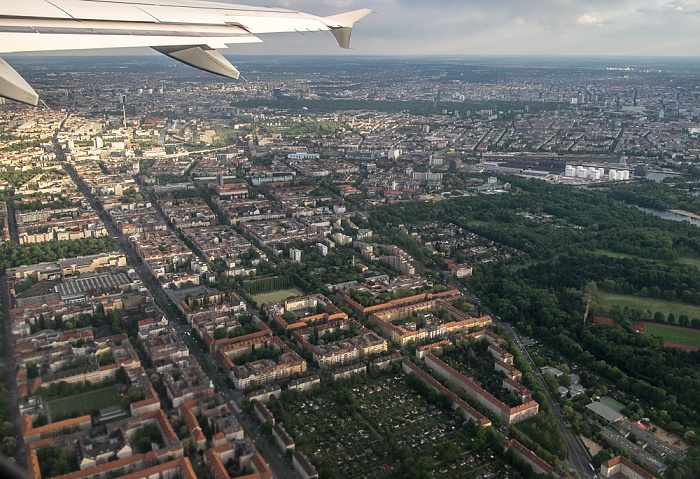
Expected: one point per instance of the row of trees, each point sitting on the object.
(97, 320)
(35, 203)
(651, 278)
(268, 285)
(12, 255)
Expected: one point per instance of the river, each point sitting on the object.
(668, 215)
(660, 176)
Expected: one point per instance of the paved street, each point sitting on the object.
(9, 363)
(268, 450)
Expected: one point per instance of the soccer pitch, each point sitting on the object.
(611, 403)
(83, 403)
(683, 337)
(277, 296)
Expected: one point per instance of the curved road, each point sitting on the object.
(578, 459)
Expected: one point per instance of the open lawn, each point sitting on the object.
(518, 266)
(277, 296)
(608, 300)
(613, 254)
(683, 337)
(479, 223)
(691, 261)
(83, 403)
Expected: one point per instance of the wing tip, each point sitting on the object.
(341, 25)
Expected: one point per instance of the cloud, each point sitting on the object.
(588, 19)
(502, 27)
(689, 6)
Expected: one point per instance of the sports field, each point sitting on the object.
(674, 335)
(277, 296)
(607, 300)
(612, 404)
(84, 403)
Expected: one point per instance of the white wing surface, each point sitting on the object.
(188, 31)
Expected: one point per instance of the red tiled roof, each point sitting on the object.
(215, 464)
(626, 462)
(478, 417)
(108, 466)
(67, 423)
(529, 455)
(33, 465)
(261, 466)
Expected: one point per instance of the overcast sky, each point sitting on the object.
(498, 27)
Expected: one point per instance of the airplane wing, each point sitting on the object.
(187, 30)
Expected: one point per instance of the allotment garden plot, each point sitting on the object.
(334, 439)
(360, 437)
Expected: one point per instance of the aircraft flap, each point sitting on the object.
(202, 57)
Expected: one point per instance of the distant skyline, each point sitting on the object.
(498, 27)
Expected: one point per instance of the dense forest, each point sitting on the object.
(574, 239)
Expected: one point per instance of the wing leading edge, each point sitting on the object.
(187, 31)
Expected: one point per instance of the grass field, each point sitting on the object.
(277, 296)
(612, 404)
(691, 261)
(607, 300)
(672, 335)
(84, 403)
(479, 223)
(613, 254)
(517, 266)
